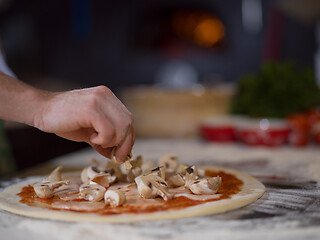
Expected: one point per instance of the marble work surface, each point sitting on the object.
(290, 209)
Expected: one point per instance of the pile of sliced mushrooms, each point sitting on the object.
(152, 181)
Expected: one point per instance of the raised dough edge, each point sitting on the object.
(251, 191)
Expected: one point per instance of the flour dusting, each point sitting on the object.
(290, 209)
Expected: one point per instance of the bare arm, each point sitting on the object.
(93, 115)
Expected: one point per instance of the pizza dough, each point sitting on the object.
(251, 190)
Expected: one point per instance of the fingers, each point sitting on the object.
(122, 150)
(93, 115)
(110, 132)
(125, 147)
(104, 133)
(113, 125)
(106, 152)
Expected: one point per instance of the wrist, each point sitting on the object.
(21, 102)
(39, 102)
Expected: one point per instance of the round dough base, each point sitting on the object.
(251, 190)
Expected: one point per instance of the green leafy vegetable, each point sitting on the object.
(278, 90)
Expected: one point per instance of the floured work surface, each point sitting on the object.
(290, 208)
(237, 190)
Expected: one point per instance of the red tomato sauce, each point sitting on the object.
(230, 185)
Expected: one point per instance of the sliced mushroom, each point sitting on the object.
(158, 171)
(92, 172)
(176, 181)
(128, 160)
(135, 169)
(191, 175)
(128, 163)
(84, 176)
(139, 161)
(114, 197)
(201, 172)
(123, 169)
(205, 186)
(169, 162)
(182, 169)
(91, 192)
(160, 187)
(94, 161)
(67, 191)
(111, 178)
(100, 166)
(146, 166)
(55, 175)
(102, 179)
(113, 156)
(144, 187)
(43, 190)
(133, 173)
(151, 186)
(46, 189)
(133, 162)
(113, 167)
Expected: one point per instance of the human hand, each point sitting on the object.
(93, 115)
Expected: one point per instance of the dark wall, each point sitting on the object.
(93, 42)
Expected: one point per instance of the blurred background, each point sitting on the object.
(173, 63)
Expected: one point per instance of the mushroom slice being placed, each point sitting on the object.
(128, 163)
(114, 198)
(91, 192)
(151, 186)
(206, 185)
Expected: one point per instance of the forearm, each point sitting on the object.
(94, 115)
(20, 102)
